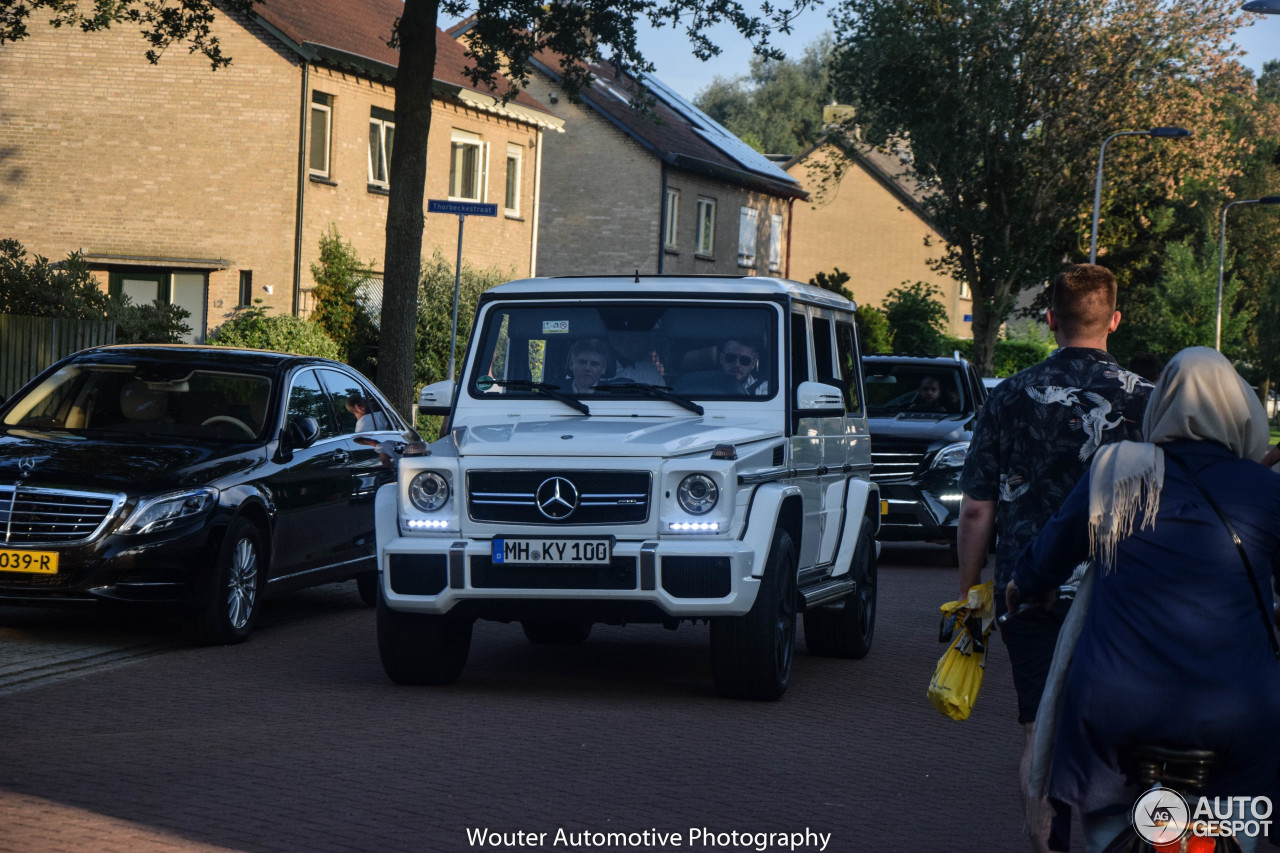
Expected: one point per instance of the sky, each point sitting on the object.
(676, 66)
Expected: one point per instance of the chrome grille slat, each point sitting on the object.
(37, 515)
(604, 497)
(896, 460)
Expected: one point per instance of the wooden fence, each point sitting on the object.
(30, 344)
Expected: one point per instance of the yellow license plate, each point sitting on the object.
(32, 562)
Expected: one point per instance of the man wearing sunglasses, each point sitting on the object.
(740, 360)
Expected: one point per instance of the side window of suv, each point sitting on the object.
(799, 351)
(851, 376)
(823, 357)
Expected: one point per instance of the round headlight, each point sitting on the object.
(697, 494)
(428, 491)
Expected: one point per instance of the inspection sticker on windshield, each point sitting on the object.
(532, 551)
(555, 327)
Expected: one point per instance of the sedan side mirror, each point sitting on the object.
(299, 434)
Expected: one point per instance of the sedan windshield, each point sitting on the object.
(668, 351)
(204, 404)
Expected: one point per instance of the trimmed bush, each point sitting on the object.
(252, 328)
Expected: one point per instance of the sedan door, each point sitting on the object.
(312, 490)
(367, 467)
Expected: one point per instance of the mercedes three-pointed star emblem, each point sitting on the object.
(557, 498)
(26, 465)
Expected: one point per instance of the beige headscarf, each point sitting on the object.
(1199, 397)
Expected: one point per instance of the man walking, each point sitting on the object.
(1034, 439)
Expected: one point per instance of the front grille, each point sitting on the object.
(896, 460)
(619, 574)
(35, 516)
(604, 497)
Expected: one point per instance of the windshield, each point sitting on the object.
(204, 404)
(914, 389)
(616, 350)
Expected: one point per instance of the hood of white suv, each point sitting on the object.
(609, 436)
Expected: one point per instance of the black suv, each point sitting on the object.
(921, 412)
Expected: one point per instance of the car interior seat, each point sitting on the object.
(142, 405)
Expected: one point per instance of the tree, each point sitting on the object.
(161, 23)
(505, 37)
(1001, 106)
(253, 328)
(435, 314)
(339, 311)
(917, 319)
(777, 107)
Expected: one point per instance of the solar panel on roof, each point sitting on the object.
(716, 133)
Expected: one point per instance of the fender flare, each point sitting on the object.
(764, 515)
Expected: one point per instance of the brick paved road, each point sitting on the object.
(297, 742)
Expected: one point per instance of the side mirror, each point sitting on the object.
(299, 434)
(819, 400)
(436, 398)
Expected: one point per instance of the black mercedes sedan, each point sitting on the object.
(193, 479)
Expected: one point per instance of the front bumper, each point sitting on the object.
(169, 568)
(647, 580)
(927, 509)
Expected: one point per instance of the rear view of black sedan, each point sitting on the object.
(193, 479)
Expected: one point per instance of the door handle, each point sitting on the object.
(341, 457)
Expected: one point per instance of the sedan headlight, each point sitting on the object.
(951, 456)
(165, 511)
(697, 494)
(428, 491)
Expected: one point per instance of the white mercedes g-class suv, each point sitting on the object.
(640, 449)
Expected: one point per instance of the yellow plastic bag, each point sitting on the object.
(955, 683)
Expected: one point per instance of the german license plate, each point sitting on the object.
(32, 562)
(530, 551)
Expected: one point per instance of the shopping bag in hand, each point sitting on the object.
(967, 624)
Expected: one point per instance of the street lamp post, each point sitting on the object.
(1222, 256)
(1159, 133)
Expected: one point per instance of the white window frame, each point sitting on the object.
(385, 129)
(463, 138)
(775, 242)
(323, 124)
(748, 228)
(706, 244)
(671, 237)
(965, 292)
(516, 153)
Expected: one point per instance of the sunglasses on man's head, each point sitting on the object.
(735, 358)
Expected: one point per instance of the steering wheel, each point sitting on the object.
(235, 422)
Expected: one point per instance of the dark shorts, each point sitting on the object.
(1030, 639)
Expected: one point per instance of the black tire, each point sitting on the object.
(953, 554)
(556, 633)
(845, 629)
(233, 597)
(751, 654)
(367, 585)
(422, 648)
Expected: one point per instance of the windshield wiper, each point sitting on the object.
(661, 392)
(544, 388)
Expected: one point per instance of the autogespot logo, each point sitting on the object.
(1160, 816)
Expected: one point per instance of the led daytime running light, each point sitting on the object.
(695, 526)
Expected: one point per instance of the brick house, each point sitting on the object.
(872, 225)
(212, 189)
(670, 192)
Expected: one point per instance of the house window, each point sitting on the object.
(382, 131)
(965, 292)
(775, 242)
(246, 287)
(747, 219)
(706, 226)
(514, 155)
(467, 167)
(321, 133)
(673, 219)
(187, 290)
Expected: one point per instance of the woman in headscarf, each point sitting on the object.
(1175, 647)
